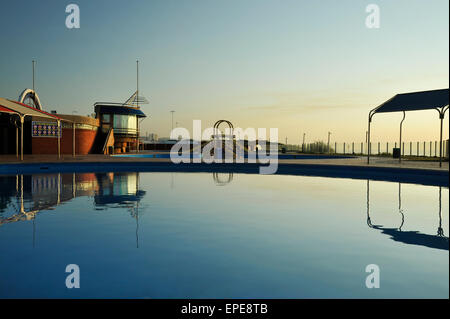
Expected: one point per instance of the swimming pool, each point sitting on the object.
(220, 235)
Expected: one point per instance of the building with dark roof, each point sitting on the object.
(25, 128)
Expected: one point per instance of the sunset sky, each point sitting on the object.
(301, 66)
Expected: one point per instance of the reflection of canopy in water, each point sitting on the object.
(34, 196)
(438, 241)
(39, 192)
(415, 238)
(46, 191)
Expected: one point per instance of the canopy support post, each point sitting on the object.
(73, 139)
(17, 141)
(22, 119)
(441, 117)
(59, 139)
(368, 136)
(368, 142)
(400, 145)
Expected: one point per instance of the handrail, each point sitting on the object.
(106, 140)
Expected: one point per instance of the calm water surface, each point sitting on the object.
(199, 235)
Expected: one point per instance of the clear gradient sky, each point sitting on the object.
(301, 66)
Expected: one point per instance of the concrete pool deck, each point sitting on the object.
(383, 169)
(355, 161)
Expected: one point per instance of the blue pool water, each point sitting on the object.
(205, 235)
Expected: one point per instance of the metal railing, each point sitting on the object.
(413, 149)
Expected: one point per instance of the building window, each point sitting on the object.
(106, 118)
(125, 124)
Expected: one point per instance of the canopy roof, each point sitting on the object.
(23, 109)
(6, 110)
(115, 108)
(414, 101)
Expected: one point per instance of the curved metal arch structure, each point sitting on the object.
(217, 124)
(223, 141)
(30, 98)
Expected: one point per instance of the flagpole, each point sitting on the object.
(137, 104)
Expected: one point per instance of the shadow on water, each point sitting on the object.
(438, 241)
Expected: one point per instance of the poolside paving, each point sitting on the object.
(356, 161)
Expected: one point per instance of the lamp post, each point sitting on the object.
(172, 120)
(329, 133)
(303, 144)
(137, 105)
(367, 142)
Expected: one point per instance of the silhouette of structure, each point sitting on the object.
(438, 241)
(424, 100)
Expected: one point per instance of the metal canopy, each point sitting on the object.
(414, 101)
(6, 110)
(23, 110)
(116, 108)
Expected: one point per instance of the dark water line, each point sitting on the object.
(389, 174)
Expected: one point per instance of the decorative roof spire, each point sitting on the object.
(135, 100)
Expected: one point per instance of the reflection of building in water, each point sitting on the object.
(52, 189)
(222, 179)
(119, 189)
(23, 196)
(438, 241)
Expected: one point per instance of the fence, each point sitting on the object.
(420, 149)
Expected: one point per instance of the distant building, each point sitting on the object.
(121, 120)
(152, 137)
(39, 131)
(115, 128)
